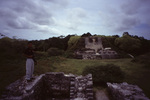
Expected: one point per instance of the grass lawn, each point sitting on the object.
(135, 72)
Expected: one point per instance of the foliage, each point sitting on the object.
(72, 43)
(11, 48)
(145, 45)
(80, 44)
(109, 41)
(105, 73)
(143, 59)
(55, 42)
(40, 55)
(54, 52)
(86, 34)
(69, 54)
(128, 44)
(76, 43)
(125, 44)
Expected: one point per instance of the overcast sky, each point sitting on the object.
(41, 19)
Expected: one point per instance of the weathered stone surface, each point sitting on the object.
(83, 88)
(21, 90)
(58, 86)
(125, 91)
(51, 86)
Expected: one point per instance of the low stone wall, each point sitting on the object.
(81, 88)
(57, 84)
(125, 91)
(21, 90)
(51, 86)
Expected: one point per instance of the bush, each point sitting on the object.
(104, 73)
(54, 52)
(39, 54)
(143, 59)
(69, 54)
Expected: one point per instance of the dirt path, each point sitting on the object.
(101, 95)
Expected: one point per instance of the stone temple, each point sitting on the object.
(94, 50)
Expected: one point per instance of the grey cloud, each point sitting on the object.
(43, 31)
(26, 14)
(119, 22)
(20, 23)
(130, 21)
(128, 16)
(78, 12)
(136, 7)
(131, 7)
(59, 2)
(76, 17)
(138, 10)
(5, 13)
(127, 24)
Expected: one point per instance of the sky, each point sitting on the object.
(42, 19)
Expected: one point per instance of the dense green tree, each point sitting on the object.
(86, 34)
(128, 44)
(54, 52)
(126, 34)
(11, 48)
(60, 42)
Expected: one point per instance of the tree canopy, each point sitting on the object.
(128, 44)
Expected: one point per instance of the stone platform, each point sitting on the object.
(51, 86)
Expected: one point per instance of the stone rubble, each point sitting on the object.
(81, 88)
(125, 91)
(51, 86)
(60, 86)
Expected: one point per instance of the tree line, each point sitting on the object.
(11, 47)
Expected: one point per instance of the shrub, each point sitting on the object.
(104, 73)
(39, 54)
(69, 54)
(143, 59)
(54, 52)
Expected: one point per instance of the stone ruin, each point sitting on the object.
(59, 86)
(51, 86)
(94, 50)
(125, 91)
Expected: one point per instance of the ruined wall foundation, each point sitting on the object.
(59, 86)
(51, 86)
(125, 91)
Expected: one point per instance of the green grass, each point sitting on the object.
(135, 72)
